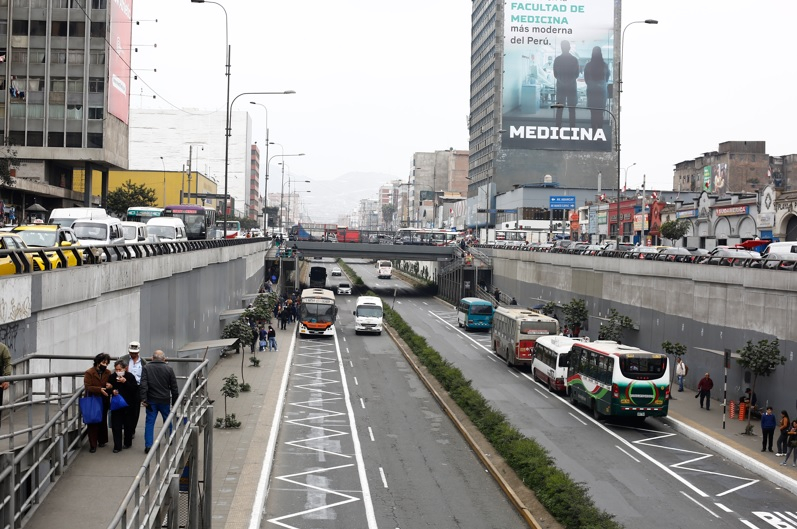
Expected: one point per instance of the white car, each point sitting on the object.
(336, 272)
(344, 288)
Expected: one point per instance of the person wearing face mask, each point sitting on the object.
(122, 420)
(135, 366)
(95, 382)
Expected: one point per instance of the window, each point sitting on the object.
(74, 139)
(75, 57)
(94, 140)
(74, 112)
(57, 112)
(97, 57)
(57, 84)
(19, 27)
(58, 56)
(55, 139)
(19, 56)
(95, 113)
(99, 4)
(98, 29)
(77, 29)
(96, 85)
(74, 86)
(38, 28)
(35, 138)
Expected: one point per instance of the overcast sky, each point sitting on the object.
(377, 81)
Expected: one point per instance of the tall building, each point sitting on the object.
(65, 95)
(434, 174)
(515, 135)
(254, 204)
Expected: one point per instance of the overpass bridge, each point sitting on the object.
(375, 251)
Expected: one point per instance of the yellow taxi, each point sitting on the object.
(50, 236)
(12, 241)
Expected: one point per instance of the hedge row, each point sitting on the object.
(567, 501)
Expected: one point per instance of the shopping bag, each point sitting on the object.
(118, 402)
(91, 409)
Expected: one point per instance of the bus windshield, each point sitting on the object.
(317, 312)
(481, 310)
(369, 311)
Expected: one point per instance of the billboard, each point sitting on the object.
(119, 58)
(559, 53)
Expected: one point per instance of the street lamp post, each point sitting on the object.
(290, 195)
(227, 134)
(625, 174)
(282, 181)
(265, 189)
(164, 181)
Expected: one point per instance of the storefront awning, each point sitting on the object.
(754, 243)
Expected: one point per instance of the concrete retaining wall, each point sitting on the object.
(707, 308)
(164, 302)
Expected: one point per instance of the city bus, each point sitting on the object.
(475, 313)
(384, 269)
(550, 360)
(317, 312)
(615, 380)
(233, 228)
(142, 213)
(426, 236)
(199, 221)
(515, 331)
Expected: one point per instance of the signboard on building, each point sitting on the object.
(766, 220)
(121, 29)
(733, 210)
(562, 202)
(689, 214)
(602, 216)
(552, 53)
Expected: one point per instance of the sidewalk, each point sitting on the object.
(688, 418)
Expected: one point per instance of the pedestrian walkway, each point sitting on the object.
(90, 492)
(705, 426)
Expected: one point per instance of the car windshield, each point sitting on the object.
(91, 231)
(166, 232)
(45, 239)
(344, 285)
(130, 233)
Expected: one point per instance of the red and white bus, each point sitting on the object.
(515, 332)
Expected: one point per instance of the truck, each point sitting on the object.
(318, 277)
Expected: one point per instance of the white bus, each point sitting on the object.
(368, 315)
(515, 331)
(317, 312)
(617, 380)
(384, 269)
(550, 360)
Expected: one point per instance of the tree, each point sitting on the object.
(549, 309)
(760, 359)
(575, 313)
(388, 210)
(231, 389)
(677, 350)
(614, 327)
(129, 195)
(675, 229)
(8, 160)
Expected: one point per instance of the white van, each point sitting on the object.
(783, 247)
(65, 217)
(134, 231)
(368, 315)
(99, 232)
(168, 229)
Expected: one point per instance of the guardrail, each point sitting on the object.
(114, 252)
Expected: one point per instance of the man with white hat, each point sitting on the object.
(135, 366)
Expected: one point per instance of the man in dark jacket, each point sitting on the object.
(704, 388)
(158, 391)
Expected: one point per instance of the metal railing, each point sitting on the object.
(37, 450)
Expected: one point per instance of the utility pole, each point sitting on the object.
(190, 156)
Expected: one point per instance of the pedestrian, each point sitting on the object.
(158, 393)
(784, 430)
(704, 388)
(135, 366)
(792, 442)
(123, 420)
(681, 370)
(255, 335)
(5, 369)
(283, 317)
(95, 382)
(263, 338)
(768, 424)
(513, 301)
(272, 338)
(752, 398)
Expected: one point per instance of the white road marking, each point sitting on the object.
(355, 382)
(712, 513)
(384, 479)
(576, 418)
(371, 433)
(362, 403)
(541, 393)
(724, 508)
(626, 453)
(514, 373)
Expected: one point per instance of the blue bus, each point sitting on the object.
(475, 313)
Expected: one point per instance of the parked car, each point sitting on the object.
(98, 233)
(729, 257)
(12, 241)
(642, 252)
(774, 261)
(336, 272)
(344, 288)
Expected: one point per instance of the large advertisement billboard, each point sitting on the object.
(558, 53)
(119, 58)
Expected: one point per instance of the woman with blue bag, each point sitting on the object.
(96, 386)
(124, 397)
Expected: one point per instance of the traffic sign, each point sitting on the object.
(562, 202)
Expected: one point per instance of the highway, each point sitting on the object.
(647, 475)
(363, 444)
